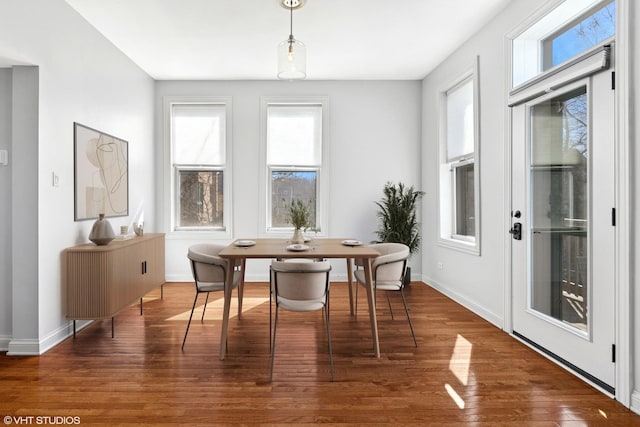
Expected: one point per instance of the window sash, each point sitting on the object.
(463, 189)
(205, 210)
(282, 197)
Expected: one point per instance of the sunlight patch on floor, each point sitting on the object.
(455, 396)
(461, 359)
(214, 309)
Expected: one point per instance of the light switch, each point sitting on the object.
(55, 179)
(4, 157)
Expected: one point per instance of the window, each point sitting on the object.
(198, 159)
(571, 40)
(294, 147)
(458, 168)
(571, 29)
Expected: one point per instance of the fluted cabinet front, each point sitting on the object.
(99, 281)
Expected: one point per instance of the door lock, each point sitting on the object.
(516, 231)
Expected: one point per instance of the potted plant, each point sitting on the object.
(398, 221)
(299, 216)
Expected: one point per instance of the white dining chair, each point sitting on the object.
(300, 286)
(388, 272)
(210, 274)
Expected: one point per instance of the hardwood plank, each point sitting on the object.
(464, 371)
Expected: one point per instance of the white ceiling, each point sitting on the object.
(237, 39)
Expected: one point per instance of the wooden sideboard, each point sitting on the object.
(99, 281)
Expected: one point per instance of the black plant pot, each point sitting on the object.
(407, 276)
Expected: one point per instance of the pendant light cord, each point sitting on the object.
(291, 20)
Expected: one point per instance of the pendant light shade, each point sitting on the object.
(292, 53)
(292, 60)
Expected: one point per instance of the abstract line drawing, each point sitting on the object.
(100, 173)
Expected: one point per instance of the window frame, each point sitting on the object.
(546, 43)
(322, 170)
(171, 181)
(447, 213)
(526, 43)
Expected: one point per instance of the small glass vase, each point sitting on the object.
(101, 232)
(297, 237)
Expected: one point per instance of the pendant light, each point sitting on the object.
(292, 53)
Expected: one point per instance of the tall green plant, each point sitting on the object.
(397, 215)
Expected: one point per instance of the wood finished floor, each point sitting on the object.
(464, 371)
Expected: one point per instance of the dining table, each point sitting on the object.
(318, 248)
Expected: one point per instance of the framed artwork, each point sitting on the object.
(101, 174)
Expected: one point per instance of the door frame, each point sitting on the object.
(623, 184)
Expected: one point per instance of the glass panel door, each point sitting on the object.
(559, 203)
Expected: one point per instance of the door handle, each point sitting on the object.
(516, 231)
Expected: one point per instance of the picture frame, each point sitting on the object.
(101, 174)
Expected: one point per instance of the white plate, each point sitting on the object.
(351, 242)
(297, 247)
(245, 243)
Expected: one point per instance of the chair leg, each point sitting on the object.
(190, 316)
(204, 308)
(406, 309)
(326, 315)
(389, 302)
(273, 344)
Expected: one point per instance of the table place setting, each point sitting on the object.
(297, 247)
(351, 242)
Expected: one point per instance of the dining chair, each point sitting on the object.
(300, 286)
(210, 274)
(388, 272)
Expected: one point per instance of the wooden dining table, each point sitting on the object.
(331, 248)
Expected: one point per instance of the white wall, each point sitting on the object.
(5, 208)
(82, 78)
(480, 285)
(374, 138)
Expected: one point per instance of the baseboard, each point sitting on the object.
(24, 347)
(4, 342)
(635, 401)
(31, 347)
(487, 315)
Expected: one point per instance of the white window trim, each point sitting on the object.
(322, 191)
(168, 215)
(460, 243)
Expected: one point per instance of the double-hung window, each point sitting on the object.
(199, 153)
(459, 189)
(294, 147)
